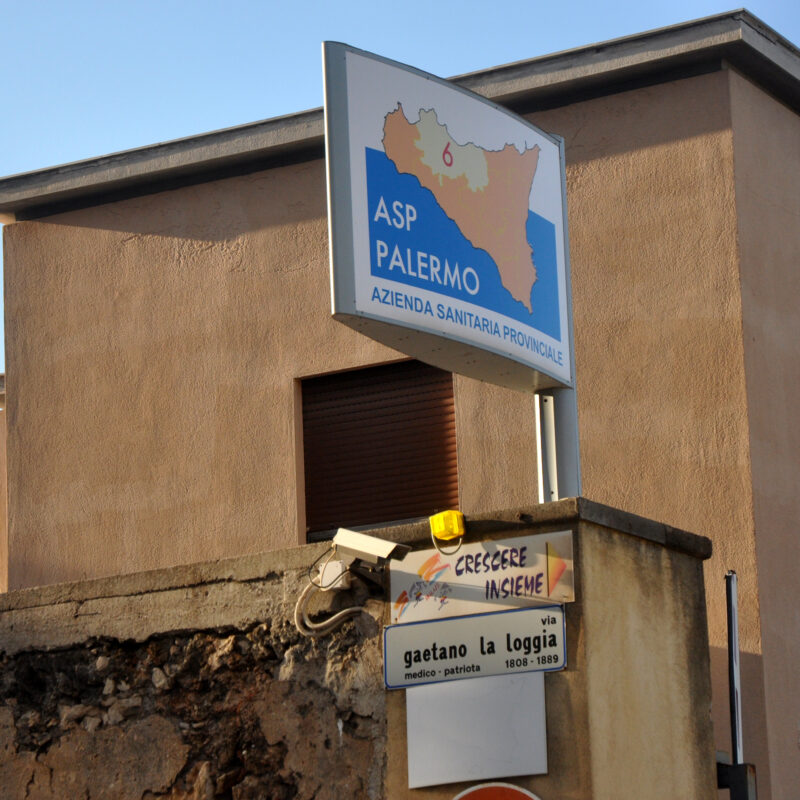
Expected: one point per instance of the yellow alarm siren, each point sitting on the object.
(446, 526)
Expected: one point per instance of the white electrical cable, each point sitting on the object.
(308, 628)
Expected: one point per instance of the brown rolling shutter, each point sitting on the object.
(379, 445)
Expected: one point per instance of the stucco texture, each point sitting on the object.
(768, 203)
(660, 360)
(154, 344)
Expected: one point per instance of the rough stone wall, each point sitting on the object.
(237, 712)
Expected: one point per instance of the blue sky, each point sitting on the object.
(86, 78)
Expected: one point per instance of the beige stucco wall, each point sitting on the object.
(767, 158)
(153, 418)
(648, 685)
(155, 344)
(660, 358)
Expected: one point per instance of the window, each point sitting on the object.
(379, 445)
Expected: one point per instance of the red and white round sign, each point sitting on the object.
(496, 791)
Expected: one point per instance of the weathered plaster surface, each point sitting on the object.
(646, 669)
(629, 716)
(188, 694)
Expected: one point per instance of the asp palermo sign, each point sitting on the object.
(447, 224)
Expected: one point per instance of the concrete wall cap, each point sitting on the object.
(560, 514)
(271, 566)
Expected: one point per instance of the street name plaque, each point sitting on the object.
(477, 645)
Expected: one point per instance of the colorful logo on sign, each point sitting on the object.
(432, 568)
(427, 588)
(555, 568)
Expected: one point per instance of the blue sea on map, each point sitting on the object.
(433, 232)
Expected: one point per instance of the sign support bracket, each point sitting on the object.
(557, 450)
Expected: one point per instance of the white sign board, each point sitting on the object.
(447, 223)
(482, 577)
(476, 730)
(481, 645)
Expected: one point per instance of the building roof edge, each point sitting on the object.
(736, 38)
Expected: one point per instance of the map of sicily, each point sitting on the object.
(453, 218)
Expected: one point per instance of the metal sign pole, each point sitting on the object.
(738, 777)
(557, 445)
(734, 678)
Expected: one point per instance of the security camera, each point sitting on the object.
(357, 553)
(351, 545)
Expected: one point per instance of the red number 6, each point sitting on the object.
(447, 156)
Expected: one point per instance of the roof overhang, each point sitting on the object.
(736, 39)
